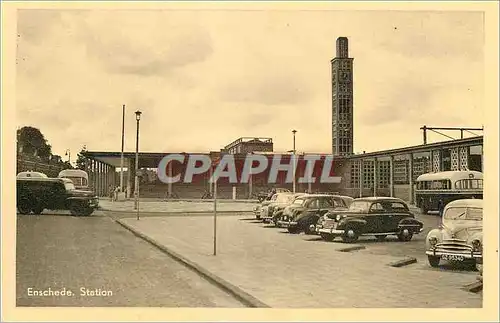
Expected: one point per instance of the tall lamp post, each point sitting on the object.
(68, 153)
(123, 143)
(294, 152)
(136, 186)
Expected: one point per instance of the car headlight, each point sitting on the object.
(338, 217)
(433, 241)
(477, 245)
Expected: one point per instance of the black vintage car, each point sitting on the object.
(370, 216)
(36, 194)
(304, 212)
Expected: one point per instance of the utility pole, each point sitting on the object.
(123, 145)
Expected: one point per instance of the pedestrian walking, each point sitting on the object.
(115, 193)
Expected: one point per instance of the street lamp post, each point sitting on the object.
(294, 166)
(68, 153)
(123, 143)
(136, 186)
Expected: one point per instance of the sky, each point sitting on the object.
(205, 78)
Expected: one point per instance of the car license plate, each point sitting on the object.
(452, 257)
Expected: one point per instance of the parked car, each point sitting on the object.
(370, 216)
(460, 235)
(305, 211)
(265, 196)
(347, 199)
(36, 194)
(257, 210)
(283, 200)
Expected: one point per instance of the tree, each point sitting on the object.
(31, 141)
(56, 159)
(45, 152)
(66, 165)
(81, 160)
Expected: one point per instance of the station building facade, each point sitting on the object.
(385, 173)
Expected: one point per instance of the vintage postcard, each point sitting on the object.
(255, 161)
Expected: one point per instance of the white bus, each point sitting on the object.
(435, 190)
(79, 177)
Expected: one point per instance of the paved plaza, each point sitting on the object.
(63, 252)
(284, 270)
(162, 206)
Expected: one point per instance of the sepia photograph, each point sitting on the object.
(245, 155)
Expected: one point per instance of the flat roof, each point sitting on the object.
(152, 159)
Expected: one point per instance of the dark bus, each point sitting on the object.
(435, 190)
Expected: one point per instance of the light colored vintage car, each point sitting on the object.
(279, 198)
(282, 201)
(460, 235)
(257, 210)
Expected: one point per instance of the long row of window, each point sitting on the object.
(445, 184)
(401, 172)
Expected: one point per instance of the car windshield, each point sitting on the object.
(359, 206)
(69, 186)
(283, 198)
(299, 201)
(77, 180)
(463, 213)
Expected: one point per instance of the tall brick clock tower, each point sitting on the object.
(342, 100)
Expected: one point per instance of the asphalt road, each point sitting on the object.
(392, 246)
(59, 252)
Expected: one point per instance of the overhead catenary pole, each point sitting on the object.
(461, 129)
(123, 145)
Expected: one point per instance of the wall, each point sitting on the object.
(402, 191)
(25, 164)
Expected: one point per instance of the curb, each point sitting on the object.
(159, 200)
(403, 262)
(352, 248)
(237, 292)
(177, 212)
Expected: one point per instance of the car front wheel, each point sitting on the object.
(433, 261)
(293, 230)
(80, 209)
(405, 235)
(307, 227)
(350, 235)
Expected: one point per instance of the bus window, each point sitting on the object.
(467, 184)
(476, 183)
